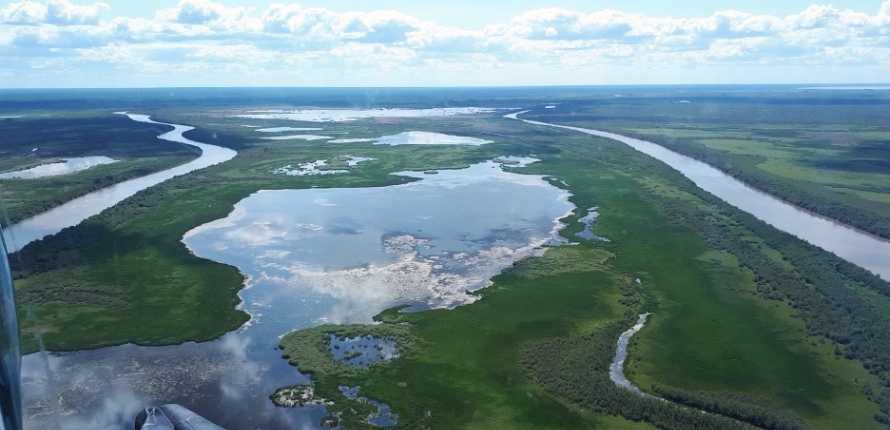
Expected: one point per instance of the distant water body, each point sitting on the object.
(850, 88)
(65, 167)
(860, 248)
(75, 211)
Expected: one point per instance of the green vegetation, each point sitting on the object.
(125, 276)
(467, 371)
(828, 157)
(747, 322)
(534, 351)
(28, 142)
(310, 348)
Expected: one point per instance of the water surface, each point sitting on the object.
(309, 137)
(284, 129)
(74, 211)
(428, 138)
(65, 167)
(616, 367)
(362, 351)
(860, 248)
(310, 256)
(340, 115)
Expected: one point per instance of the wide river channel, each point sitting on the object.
(75, 211)
(860, 248)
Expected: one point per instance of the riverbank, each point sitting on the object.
(73, 212)
(795, 147)
(860, 248)
(33, 141)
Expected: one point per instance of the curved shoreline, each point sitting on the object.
(75, 211)
(849, 243)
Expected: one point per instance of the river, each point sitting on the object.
(75, 211)
(865, 250)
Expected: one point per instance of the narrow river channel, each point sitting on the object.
(75, 211)
(865, 250)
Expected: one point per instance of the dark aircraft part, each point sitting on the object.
(10, 354)
(172, 417)
(153, 419)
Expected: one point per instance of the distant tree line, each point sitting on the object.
(732, 405)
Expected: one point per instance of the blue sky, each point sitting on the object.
(482, 12)
(125, 43)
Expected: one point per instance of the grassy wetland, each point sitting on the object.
(747, 323)
(542, 336)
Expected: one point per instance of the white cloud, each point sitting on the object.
(54, 12)
(203, 34)
(560, 24)
(23, 13)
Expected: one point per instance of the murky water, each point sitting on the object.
(857, 247)
(311, 256)
(73, 212)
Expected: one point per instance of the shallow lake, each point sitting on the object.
(311, 256)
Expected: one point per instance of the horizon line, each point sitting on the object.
(804, 84)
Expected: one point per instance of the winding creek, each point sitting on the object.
(616, 368)
(75, 211)
(865, 250)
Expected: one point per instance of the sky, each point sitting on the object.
(126, 43)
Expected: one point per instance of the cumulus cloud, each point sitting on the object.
(283, 36)
(568, 25)
(198, 12)
(54, 12)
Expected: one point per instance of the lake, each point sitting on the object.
(310, 256)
